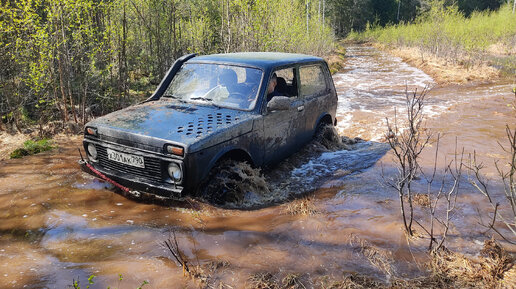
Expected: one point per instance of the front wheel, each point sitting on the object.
(230, 180)
(327, 135)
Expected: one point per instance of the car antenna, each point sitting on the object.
(80, 153)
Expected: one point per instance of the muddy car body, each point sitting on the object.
(208, 109)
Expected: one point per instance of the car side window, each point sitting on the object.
(312, 80)
(286, 82)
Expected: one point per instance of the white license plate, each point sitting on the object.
(127, 159)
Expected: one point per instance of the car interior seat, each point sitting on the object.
(281, 86)
(229, 79)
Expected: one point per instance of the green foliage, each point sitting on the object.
(31, 148)
(145, 282)
(61, 57)
(444, 31)
(90, 281)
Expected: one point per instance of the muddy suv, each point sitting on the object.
(207, 110)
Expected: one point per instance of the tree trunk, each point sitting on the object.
(68, 63)
(174, 28)
(123, 61)
(399, 5)
(84, 118)
(61, 83)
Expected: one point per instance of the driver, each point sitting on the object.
(271, 89)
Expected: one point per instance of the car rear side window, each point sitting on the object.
(312, 80)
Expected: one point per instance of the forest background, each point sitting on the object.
(65, 61)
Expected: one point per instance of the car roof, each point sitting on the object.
(257, 59)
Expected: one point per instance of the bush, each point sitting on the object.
(31, 147)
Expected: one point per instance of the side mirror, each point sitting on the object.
(279, 103)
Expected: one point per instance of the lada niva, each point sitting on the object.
(255, 107)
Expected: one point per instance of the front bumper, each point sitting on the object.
(135, 183)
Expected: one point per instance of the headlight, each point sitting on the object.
(174, 171)
(92, 152)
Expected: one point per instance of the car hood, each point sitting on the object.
(155, 123)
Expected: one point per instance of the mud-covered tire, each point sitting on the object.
(221, 184)
(326, 135)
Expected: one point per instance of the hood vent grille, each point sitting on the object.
(205, 125)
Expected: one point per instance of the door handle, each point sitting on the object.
(300, 108)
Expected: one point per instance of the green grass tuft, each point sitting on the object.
(31, 147)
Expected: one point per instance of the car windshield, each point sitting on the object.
(215, 84)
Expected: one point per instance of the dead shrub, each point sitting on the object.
(407, 143)
(191, 270)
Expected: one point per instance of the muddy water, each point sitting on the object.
(58, 224)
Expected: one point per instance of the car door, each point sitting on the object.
(314, 90)
(282, 128)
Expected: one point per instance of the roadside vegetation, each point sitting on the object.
(442, 33)
(67, 61)
(31, 147)
(70, 60)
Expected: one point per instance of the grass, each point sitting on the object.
(31, 147)
(379, 258)
(446, 33)
(304, 206)
(336, 59)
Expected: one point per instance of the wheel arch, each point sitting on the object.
(232, 153)
(323, 119)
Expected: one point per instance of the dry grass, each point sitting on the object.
(422, 200)
(379, 258)
(443, 71)
(9, 142)
(304, 206)
(336, 59)
(501, 49)
(353, 281)
(292, 281)
(494, 268)
(262, 280)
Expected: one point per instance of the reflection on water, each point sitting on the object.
(58, 224)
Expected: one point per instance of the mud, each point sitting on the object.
(58, 224)
(328, 156)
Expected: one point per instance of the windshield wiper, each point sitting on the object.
(174, 97)
(210, 100)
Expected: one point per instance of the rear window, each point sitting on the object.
(312, 80)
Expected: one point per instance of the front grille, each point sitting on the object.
(152, 170)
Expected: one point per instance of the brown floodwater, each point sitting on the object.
(58, 224)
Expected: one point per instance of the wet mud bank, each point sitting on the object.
(337, 218)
